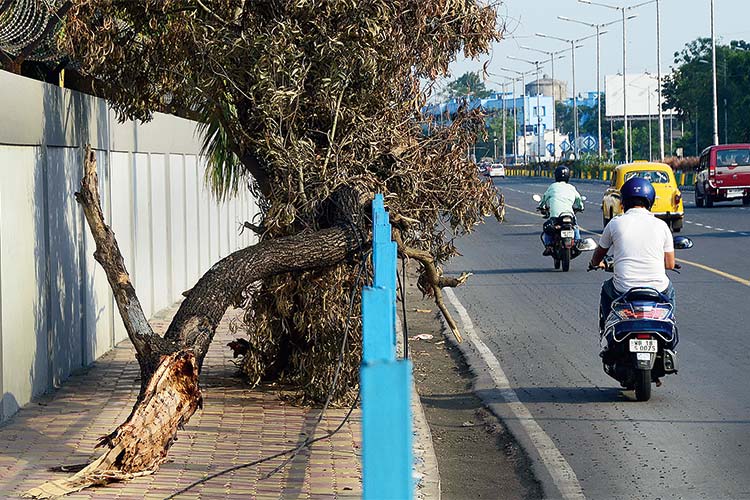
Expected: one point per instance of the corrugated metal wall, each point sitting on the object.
(57, 314)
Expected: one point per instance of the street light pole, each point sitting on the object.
(538, 106)
(598, 28)
(522, 75)
(713, 66)
(658, 82)
(575, 96)
(624, 60)
(648, 99)
(552, 56)
(504, 134)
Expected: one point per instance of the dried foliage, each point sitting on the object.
(300, 98)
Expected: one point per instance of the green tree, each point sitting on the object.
(468, 84)
(689, 90)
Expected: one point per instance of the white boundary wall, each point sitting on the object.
(57, 314)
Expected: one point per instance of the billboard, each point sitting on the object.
(642, 95)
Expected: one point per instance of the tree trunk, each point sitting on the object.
(170, 365)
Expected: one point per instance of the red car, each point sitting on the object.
(724, 175)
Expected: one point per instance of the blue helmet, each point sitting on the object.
(637, 191)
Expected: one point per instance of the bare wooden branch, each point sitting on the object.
(434, 279)
(107, 253)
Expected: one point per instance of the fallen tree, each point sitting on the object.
(314, 107)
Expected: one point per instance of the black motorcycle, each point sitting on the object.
(564, 245)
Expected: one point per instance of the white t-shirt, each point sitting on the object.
(638, 241)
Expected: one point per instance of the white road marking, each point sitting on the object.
(562, 473)
(708, 227)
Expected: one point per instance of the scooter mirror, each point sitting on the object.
(587, 245)
(536, 197)
(682, 242)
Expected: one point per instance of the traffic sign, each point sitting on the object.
(588, 142)
(551, 148)
(564, 146)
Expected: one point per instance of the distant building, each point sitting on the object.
(548, 87)
(526, 110)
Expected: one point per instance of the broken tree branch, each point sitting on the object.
(107, 254)
(434, 280)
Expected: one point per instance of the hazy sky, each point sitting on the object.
(681, 22)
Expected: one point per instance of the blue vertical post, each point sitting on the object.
(385, 382)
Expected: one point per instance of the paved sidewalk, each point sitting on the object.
(236, 426)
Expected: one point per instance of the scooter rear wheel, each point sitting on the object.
(643, 385)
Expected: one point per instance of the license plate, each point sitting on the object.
(734, 193)
(567, 233)
(643, 345)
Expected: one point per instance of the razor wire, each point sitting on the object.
(24, 23)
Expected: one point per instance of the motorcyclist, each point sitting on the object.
(560, 197)
(641, 245)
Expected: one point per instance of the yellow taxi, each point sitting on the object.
(668, 204)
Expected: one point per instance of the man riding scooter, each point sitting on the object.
(560, 197)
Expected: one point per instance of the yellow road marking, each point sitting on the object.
(716, 271)
(683, 261)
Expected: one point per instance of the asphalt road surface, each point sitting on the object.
(586, 436)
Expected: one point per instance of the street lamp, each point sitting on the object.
(538, 108)
(522, 76)
(552, 56)
(713, 66)
(723, 65)
(575, 96)
(515, 118)
(624, 61)
(598, 27)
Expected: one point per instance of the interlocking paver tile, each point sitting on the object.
(237, 426)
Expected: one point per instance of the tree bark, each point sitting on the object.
(170, 393)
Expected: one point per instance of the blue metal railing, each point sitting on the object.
(385, 382)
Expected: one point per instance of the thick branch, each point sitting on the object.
(195, 322)
(435, 281)
(146, 343)
(140, 445)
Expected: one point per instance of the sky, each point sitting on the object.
(681, 22)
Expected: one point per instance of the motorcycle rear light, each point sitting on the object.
(628, 311)
(643, 336)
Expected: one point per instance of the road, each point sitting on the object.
(587, 437)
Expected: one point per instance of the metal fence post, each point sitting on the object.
(385, 382)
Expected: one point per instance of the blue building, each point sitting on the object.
(526, 109)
